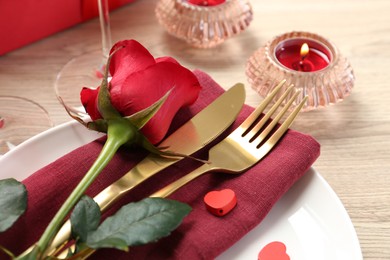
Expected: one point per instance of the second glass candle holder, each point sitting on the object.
(202, 25)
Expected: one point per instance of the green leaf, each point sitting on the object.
(139, 223)
(13, 202)
(140, 118)
(85, 218)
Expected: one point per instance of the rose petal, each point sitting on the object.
(132, 57)
(143, 88)
(89, 99)
(166, 59)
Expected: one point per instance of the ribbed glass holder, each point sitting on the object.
(204, 26)
(326, 86)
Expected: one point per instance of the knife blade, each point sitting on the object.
(203, 128)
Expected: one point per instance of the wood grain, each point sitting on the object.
(354, 134)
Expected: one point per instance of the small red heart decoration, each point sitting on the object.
(221, 202)
(274, 251)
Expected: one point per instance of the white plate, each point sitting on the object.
(309, 219)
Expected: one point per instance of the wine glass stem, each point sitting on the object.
(104, 17)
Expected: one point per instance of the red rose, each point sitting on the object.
(139, 80)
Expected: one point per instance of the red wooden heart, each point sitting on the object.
(221, 202)
(274, 251)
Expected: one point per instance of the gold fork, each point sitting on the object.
(244, 147)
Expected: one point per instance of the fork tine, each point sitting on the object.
(273, 140)
(255, 114)
(274, 121)
(253, 132)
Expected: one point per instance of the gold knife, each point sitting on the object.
(189, 138)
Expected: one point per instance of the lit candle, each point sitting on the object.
(308, 61)
(206, 2)
(303, 55)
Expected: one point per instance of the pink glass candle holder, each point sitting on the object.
(310, 62)
(201, 24)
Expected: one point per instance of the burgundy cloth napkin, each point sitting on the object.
(201, 235)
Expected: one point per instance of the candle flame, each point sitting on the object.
(304, 50)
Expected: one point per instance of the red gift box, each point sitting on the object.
(26, 21)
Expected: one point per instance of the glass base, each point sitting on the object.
(83, 71)
(204, 26)
(20, 119)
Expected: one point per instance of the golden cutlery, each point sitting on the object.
(244, 147)
(202, 128)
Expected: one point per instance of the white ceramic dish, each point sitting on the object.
(309, 219)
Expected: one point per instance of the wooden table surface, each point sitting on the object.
(354, 134)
